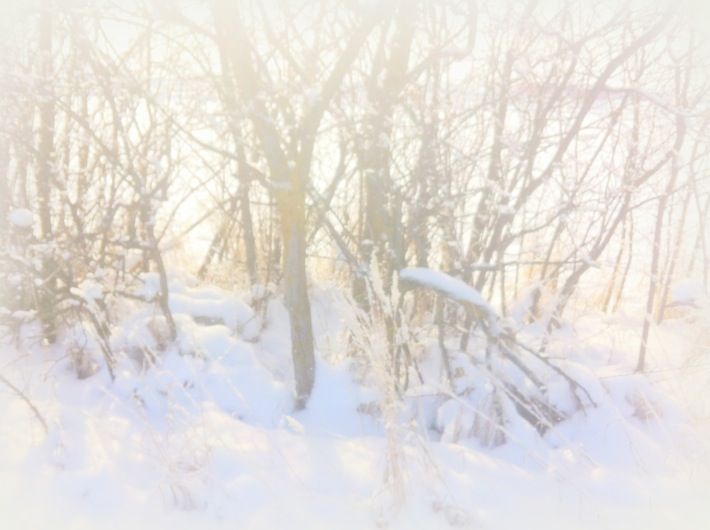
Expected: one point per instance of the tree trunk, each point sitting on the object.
(293, 231)
(46, 293)
(656, 250)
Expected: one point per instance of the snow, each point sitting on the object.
(587, 260)
(688, 291)
(88, 290)
(452, 287)
(506, 209)
(21, 218)
(205, 434)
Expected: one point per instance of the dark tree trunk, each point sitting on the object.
(293, 231)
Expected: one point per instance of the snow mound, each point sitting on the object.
(21, 218)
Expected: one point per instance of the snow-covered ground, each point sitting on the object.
(205, 435)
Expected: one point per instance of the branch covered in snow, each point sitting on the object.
(451, 288)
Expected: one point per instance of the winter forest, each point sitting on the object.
(354, 264)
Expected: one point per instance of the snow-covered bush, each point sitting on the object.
(498, 380)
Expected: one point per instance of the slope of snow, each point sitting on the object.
(205, 436)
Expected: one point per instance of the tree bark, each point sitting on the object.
(45, 167)
(293, 232)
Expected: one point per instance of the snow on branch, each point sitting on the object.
(451, 288)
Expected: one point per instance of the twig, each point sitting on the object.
(29, 403)
(557, 369)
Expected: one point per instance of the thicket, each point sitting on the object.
(527, 153)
